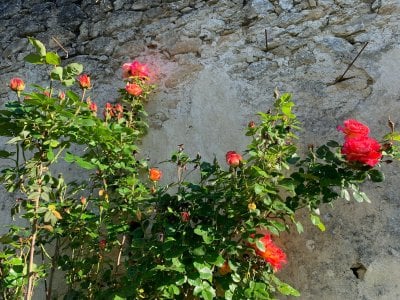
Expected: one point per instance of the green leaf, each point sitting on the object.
(287, 290)
(258, 189)
(40, 48)
(33, 58)
(68, 82)
(345, 194)
(376, 175)
(73, 69)
(74, 97)
(53, 59)
(5, 154)
(317, 222)
(204, 271)
(333, 144)
(57, 73)
(205, 290)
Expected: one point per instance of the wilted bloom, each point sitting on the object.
(233, 159)
(365, 150)
(17, 84)
(118, 110)
(102, 244)
(185, 216)
(224, 269)
(251, 206)
(135, 69)
(251, 124)
(133, 89)
(84, 81)
(271, 253)
(155, 174)
(353, 128)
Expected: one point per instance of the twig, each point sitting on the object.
(341, 78)
(59, 44)
(266, 39)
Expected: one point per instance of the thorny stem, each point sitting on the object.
(53, 269)
(35, 230)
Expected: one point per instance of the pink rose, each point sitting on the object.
(135, 69)
(363, 149)
(352, 128)
(233, 159)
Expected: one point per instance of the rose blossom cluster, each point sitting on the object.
(358, 146)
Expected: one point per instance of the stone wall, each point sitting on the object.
(217, 64)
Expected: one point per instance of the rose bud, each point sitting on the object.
(185, 216)
(17, 84)
(233, 159)
(84, 81)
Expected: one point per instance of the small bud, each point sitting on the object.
(251, 124)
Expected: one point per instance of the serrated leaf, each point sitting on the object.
(317, 222)
(73, 69)
(71, 95)
(33, 58)
(204, 271)
(53, 59)
(40, 48)
(57, 73)
(5, 154)
(287, 290)
(50, 154)
(376, 175)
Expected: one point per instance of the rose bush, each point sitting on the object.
(117, 233)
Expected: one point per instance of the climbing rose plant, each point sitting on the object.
(117, 232)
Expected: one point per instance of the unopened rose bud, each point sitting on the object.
(83, 200)
(17, 84)
(251, 124)
(84, 81)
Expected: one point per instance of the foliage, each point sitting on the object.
(117, 234)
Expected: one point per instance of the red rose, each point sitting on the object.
(233, 159)
(272, 253)
(17, 84)
(365, 150)
(84, 81)
(133, 89)
(353, 128)
(155, 174)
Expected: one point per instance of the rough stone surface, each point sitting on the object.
(215, 69)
